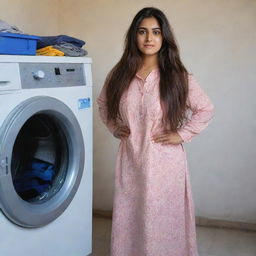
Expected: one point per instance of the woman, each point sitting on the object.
(151, 103)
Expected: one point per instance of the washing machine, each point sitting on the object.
(45, 156)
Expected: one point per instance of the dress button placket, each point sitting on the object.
(142, 88)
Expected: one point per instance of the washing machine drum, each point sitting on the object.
(42, 161)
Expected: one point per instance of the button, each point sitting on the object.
(39, 74)
(57, 71)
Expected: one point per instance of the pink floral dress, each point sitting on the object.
(153, 212)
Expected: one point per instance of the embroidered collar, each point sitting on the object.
(150, 76)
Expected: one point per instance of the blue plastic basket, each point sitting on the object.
(17, 44)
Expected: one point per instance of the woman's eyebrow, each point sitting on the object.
(147, 28)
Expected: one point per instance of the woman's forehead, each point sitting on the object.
(150, 22)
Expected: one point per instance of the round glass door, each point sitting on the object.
(39, 159)
(42, 161)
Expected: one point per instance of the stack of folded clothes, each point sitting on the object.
(49, 51)
(60, 45)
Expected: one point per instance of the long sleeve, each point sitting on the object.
(202, 111)
(102, 105)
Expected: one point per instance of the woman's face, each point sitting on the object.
(149, 36)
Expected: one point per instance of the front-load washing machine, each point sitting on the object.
(45, 156)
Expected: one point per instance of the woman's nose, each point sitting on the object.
(149, 37)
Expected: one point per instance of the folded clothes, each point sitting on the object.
(49, 51)
(71, 50)
(52, 40)
(5, 27)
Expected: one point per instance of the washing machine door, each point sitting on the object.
(41, 161)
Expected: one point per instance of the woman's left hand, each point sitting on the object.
(167, 137)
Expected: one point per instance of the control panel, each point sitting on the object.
(51, 75)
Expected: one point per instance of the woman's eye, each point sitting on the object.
(156, 32)
(142, 32)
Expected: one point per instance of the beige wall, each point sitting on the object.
(217, 41)
(30, 16)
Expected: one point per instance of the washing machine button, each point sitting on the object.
(39, 74)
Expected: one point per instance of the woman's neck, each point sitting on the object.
(149, 62)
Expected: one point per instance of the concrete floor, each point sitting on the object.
(211, 241)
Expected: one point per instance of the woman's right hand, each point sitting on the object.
(122, 132)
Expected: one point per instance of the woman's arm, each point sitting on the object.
(102, 104)
(118, 129)
(202, 111)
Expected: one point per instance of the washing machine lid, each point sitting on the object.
(37, 214)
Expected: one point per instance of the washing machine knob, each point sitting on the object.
(39, 74)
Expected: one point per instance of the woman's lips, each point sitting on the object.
(148, 45)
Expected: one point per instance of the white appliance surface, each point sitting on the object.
(71, 233)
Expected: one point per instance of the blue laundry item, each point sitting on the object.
(36, 180)
(52, 40)
(25, 185)
(42, 171)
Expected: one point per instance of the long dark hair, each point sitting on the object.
(173, 75)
